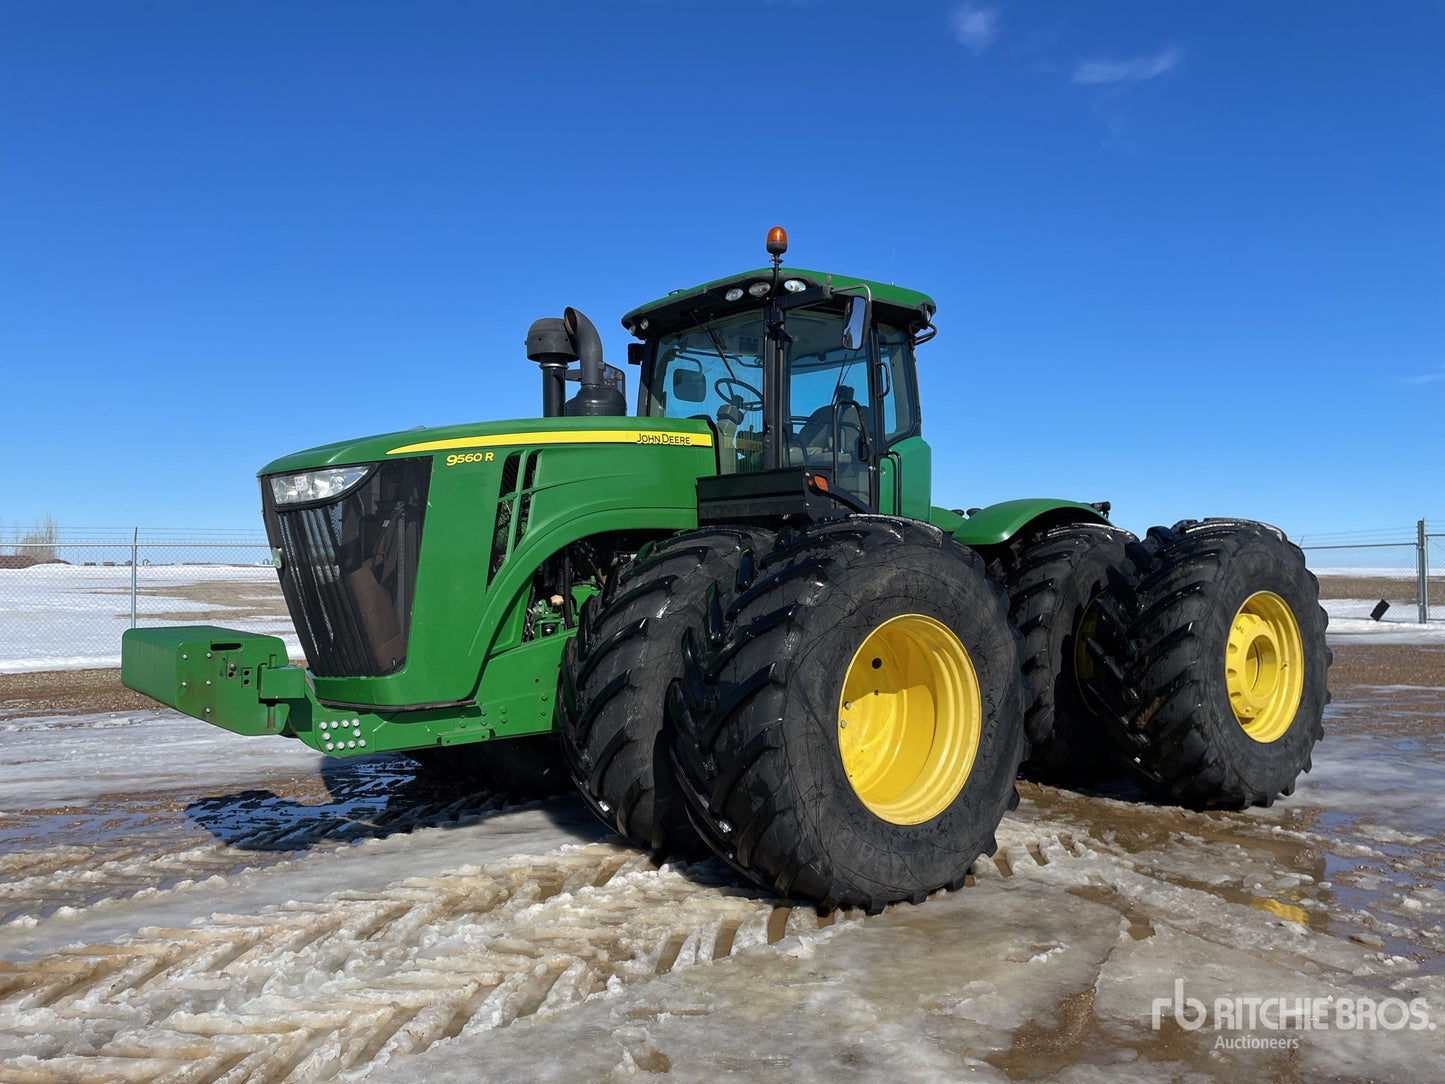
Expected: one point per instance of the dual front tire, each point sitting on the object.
(851, 728)
(844, 706)
(615, 676)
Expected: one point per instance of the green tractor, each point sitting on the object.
(738, 623)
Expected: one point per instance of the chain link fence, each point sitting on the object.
(1366, 575)
(65, 601)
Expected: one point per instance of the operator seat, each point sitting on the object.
(815, 435)
(729, 417)
(813, 444)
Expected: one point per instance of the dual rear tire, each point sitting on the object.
(1053, 578)
(1209, 661)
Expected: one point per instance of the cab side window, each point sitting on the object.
(900, 413)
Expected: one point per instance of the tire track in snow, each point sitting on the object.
(320, 988)
(309, 990)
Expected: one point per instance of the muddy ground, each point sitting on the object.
(182, 915)
(1394, 588)
(234, 601)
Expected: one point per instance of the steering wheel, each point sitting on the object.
(755, 403)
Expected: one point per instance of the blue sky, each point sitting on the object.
(1188, 257)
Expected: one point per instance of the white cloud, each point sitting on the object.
(975, 27)
(1424, 378)
(1134, 70)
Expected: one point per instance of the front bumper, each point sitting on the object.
(243, 682)
(239, 681)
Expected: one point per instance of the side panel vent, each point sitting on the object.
(514, 508)
(509, 474)
(501, 536)
(522, 514)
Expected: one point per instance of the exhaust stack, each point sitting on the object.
(598, 395)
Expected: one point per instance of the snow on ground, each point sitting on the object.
(70, 617)
(241, 909)
(1350, 623)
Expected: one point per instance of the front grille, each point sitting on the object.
(348, 569)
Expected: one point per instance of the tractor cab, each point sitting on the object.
(790, 370)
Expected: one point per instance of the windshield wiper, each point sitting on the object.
(711, 333)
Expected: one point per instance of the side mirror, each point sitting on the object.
(634, 353)
(857, 313)
(689, 385)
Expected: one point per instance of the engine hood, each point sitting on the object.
(490, 436)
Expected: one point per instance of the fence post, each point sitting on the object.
(1424, 568)
(134, 539)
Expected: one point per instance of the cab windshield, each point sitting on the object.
(706, 371)
(715, 372)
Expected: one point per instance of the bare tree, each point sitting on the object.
(39, 543)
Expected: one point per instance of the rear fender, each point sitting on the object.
(1001, 523)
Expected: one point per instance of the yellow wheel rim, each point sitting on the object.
(909, 719)
(1083, 661)
(1264, 666)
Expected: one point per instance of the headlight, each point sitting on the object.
(315, 485)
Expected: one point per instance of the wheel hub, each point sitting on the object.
(1264, 666)
(909, 719)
